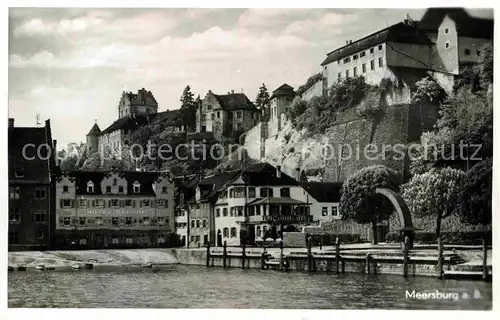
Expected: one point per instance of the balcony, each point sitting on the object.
(287, 218)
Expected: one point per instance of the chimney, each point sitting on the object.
(278, 171)
(350, 41)
(209, 91)
(346, 42)
(11, 122)
(297, 174)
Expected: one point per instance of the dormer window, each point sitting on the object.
(90, 187)
(137, 187)
(120, 189)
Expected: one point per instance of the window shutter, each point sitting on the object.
(166, 203)
(153, 203)
(133, 203)
(109, 203)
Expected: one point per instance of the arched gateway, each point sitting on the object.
(402, 211)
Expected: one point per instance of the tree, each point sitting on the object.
(263, 101)
(187, 98)
(475, 203)
(93, 163)
(360, 203)
(435, 193)
(486, 66)
(428, 91)
(73, 157)
(188, 108)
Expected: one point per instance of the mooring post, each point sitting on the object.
(262, 261)
(208, 254)
(243, 256)
(309, 254)
(485, 260)
(440, 258)
(224, 254)
(368, 256)
(405, 256)
(281, 256)
(337, 254)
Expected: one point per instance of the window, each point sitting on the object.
(204, 223)
(258, 231)
(363, 67)
(90, 187)
(108, 189)
(324, 211)
(231, 211)
(285, 192)
(380, 62)
(257, 210)
(355, 73)
(161, 203)
(13, 237)
(447, 44)
(346, 60)
(14, 192)
(120, 189)
(192, 223)
(212, 115)
(251, 192)
(82, 203)
(218, 114)
(203, 117)
(40, 193)
(99, 203)
(239, 211)
(66, 203)
(197, 238)
(264, 210)
(128, 240)
(66, 221)
(39, 234)
(129, 203)
(197, 223)
(371, 50)
(217, 212)
(137, 187)
(478, 52)
(339, 75)
(233, 232)
(98, 221)
(65, 189)
(14, 216)
(347, 73)
(238, 114)
(238, 192)
(113, 203)
(209, 107)
(355, 57)
(467, 52)
(146, 221)
(82, 221)
(266, 192)
(114, 221)
(372, 65)
(40, 216)
(446, 31)
(145, 203)
(251, 210)
(335, 211)
(20, 173)
(379, 47)
(362, 54)
(224, 212)
(164, 190)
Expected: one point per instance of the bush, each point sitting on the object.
(453, 237)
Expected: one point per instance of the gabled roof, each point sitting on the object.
(264, 174)
(399, 32)
(210, 185)
(283, 90)
(94, 131)
(235, 101)
(324, 191)
(467, 25)
(133, 122)
(142, 97)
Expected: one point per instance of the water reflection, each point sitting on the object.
(198, 287)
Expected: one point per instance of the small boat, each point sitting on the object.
(10, 268)
(76, 267)
(89, 266)
(40, 267)
(21, 267)
(147, 265)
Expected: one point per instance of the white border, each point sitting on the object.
(209, 313)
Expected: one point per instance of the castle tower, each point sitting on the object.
(142, 102)
(93, 139)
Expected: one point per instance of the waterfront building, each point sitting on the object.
(114, 209)
(184, 189)
(226, 115)
(135, 110)
(31, 161)
(436, 46)
(324, 200)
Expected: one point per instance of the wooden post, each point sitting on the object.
(309, 254)
(224, 254)
(243, 256)
(485, 260)
(405, 256)
(262, 259)
(281, 255)
(208, 254)
(368, 256)
(337, 254)
(440, 258)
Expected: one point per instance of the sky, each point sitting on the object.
(71, 65)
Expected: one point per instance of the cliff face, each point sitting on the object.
(352, 143)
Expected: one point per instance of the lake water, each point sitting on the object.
(179, 286)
